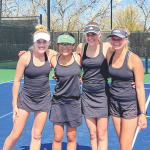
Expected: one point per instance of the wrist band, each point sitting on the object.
(144, 112)
(14, 106)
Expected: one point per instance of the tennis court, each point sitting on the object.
(83, 138)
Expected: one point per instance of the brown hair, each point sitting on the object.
(41, 28)
(128, 33)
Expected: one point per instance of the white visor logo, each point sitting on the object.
(116, 31)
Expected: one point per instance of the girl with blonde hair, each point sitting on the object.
(35, 95)
(95, 87)
(127, 104)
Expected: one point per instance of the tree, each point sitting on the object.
(71, 15)
(102, 15)
(22, 8)
(129, 18)
(144, 5)
(68, 9)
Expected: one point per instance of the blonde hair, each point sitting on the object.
(128, 33)
(41, 28)
(95, 24)
(92, 23)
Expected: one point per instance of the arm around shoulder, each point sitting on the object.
(80, 49)
(79, 59)
(51, 53)
(107, 48)
(53, 61)
(54, 52)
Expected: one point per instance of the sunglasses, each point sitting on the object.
(68, 45)
(90, 34)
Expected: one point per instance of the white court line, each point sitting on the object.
(137, 129)
(20, 82)
(147, 101)
(10, 82)
(6, 82)
(148, 116)
(6, 115)
(12, 112)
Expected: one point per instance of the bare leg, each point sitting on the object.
(127, 133)
(92, 126)
(117, 124)
(17, 129)
(102, 126)
(58, 136)
(39, 122)
(125, 129)
(71, 136)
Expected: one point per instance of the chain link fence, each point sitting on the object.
(15, 35)
(16, 38)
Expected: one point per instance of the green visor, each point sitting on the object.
(66, 39)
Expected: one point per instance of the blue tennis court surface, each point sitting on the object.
(83, 138)
(144, 64)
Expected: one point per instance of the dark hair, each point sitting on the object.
(67, 33)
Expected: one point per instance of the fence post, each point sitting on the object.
(48, 15)
(78, 37)
(53, 38)
(41, 19)
(138, 42)
(146, 63)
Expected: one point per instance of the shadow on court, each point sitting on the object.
(64, 147)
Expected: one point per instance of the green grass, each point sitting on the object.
(147, 70)
(147, 78)
(8, 65)
(9, 74)
(144, 59)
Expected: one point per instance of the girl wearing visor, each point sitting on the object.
(66, 101)
(127, 104)
(95, 86)
(35, 95)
